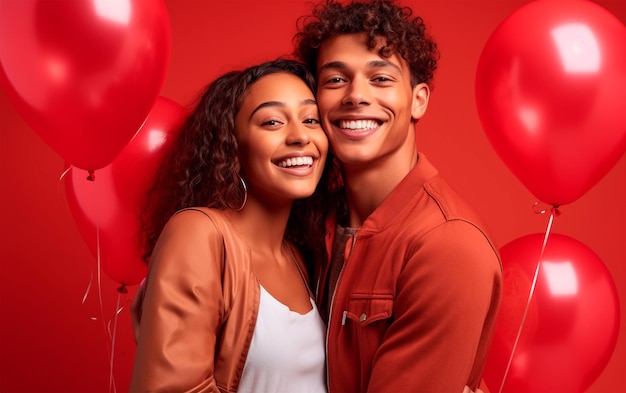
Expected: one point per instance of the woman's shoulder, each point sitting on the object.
(196, 212)
(197, 219)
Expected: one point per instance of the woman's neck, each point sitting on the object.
(262, 226)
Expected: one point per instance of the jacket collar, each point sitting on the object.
(410, 188)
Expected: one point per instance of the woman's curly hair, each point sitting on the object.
(201, 167)
(403, 33)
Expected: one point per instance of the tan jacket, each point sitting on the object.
(199, 310)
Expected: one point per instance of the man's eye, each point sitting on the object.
(335, 80)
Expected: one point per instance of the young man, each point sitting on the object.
(412, 285)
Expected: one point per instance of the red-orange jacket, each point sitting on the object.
(415, 304)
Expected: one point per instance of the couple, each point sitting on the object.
(253, 205)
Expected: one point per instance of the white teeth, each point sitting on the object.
(358, 124)
(296, 161)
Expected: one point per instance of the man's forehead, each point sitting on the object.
(345, 50)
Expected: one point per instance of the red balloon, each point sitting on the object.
(84, 74)
(550, 94)
(572, 323)
(106, 209)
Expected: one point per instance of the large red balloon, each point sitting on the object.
(84, 74)
(106, 209)
(550, 93)
(571, 326)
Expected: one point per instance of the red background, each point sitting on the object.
(48, 343)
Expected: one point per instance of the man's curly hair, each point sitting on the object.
(403, 33)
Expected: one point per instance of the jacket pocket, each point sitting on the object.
(366, 320)
(367, 308)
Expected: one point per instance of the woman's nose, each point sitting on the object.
(298, 134)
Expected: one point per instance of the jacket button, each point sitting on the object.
(363, 317)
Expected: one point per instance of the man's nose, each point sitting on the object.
(358, 93)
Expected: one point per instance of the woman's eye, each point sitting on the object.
(312, 121)
(270, 123)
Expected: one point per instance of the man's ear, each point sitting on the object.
(421, 94)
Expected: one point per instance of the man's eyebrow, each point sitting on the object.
(340, 65)
(333, 65)
(280, 104)
(383, 63)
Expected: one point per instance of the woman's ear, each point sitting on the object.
(421, 95)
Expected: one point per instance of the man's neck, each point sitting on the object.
(367, 186)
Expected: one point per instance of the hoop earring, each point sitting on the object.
(245, 193)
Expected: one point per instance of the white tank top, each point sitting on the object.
(287, 352)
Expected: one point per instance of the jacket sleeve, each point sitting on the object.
(448, 293)
(182, 308)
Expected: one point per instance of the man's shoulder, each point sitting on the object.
(449, 202)
(439, 209)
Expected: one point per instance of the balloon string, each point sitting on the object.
(110, 342)
(65, 172)
(98, 260)
(90, 283)
(60, 182)
(113, 334)
(106, 326)
(86, 295)
(554, 211)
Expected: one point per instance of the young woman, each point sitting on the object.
(226, 306)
